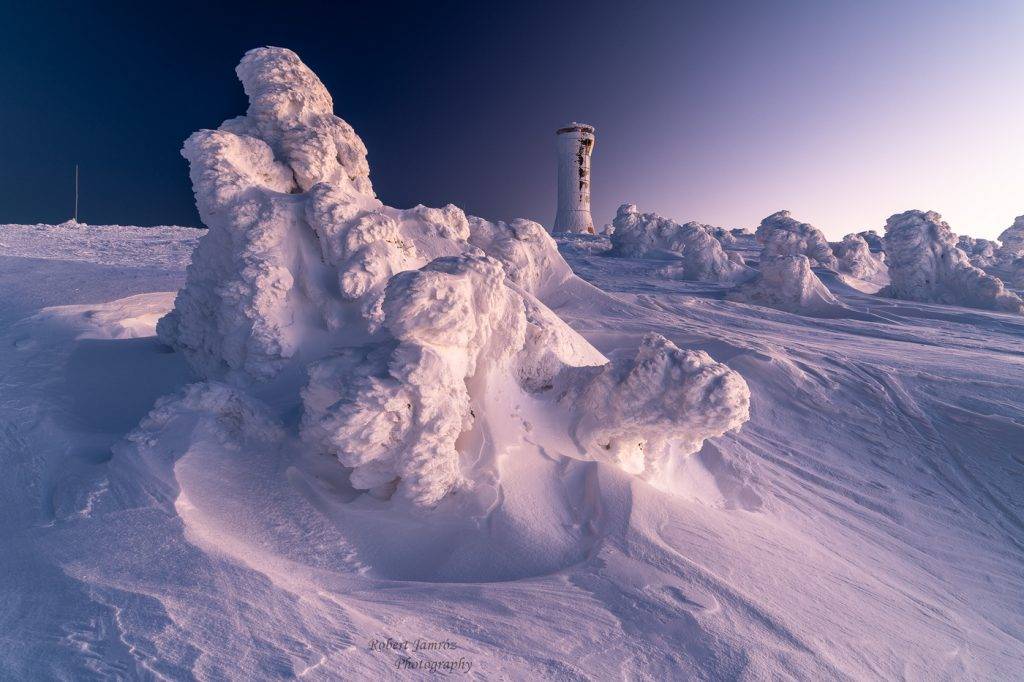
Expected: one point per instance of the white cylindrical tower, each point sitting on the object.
(575, 145)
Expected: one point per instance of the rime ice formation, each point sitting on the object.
(855, 258)
(1012, 240)
(873, 239)
(702, 257)
(1016, 269)
(981, 252)
(781, 235)
(575, 146)
(926, 265)
(632, 411)
(786, 283)
(406, 325)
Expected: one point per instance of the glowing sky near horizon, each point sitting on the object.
(843, 113)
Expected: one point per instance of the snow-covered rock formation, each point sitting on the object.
(925, 264)
(781, 235)
(786, 283)
(854, 258)
(640, 235)
(1012, 240)
(404, 333)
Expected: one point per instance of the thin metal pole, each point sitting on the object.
(76, 192)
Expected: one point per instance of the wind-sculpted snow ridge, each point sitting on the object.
(786, 283)
(854, 258)
(408, 327)
(1012, 240)
(781, 235)
(640, 235)
(926, 265)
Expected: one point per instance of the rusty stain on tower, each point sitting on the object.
(575, 145)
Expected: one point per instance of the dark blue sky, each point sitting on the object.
(723, 112)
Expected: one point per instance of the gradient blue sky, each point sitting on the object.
(724, 112)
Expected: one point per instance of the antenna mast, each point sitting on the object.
(76, 192)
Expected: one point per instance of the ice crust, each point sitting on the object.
(397, 328)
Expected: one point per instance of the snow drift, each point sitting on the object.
(786, 283)
(926, 265)
(697, 246)
(397, 332)
(781, 235)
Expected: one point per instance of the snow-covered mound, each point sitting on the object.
(855, 258)
(926, 265)
(1012, 240)
(873, 239)
(786, 283)
(698, 250)
(409, 323)
(782, 235)
(981, 252)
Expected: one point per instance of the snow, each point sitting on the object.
(864, 523)
(786, 283)
(696, 252)
(1012, 240)
(926, 265)
(407, 322)
(855, 258)
(782, 235)
(981, 252)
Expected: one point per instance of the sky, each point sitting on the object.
(724, 112)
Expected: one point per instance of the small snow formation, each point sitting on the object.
(1012, 240)
(981, 252)
(855, 258)
(926, 265)
(631, 410)
(639, 235)
(786, 283)
(781, 235)
(873, 239)
(400, 332)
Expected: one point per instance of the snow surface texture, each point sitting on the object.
(171, 247)
(854, 258)
(786, 283)
(403, 319)
(926, 265)
(697, 247)
(782, 235)
(864, 523)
